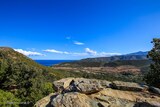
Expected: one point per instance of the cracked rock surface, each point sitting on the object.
(81, 92)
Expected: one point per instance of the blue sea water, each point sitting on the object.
(52, 62)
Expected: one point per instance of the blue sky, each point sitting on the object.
(75, 29)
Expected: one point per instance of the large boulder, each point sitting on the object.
(122, 98)
(73, 99)
(81, 85)
(128, 86)
(86, 86)
(45, 102)
(105, 84)
(62, 84)
(106, 98)
(80, 92)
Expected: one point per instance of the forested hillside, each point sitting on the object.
(27, 80)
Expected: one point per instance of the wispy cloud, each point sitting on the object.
(74, 41)
(78, 43)
(88, 52)
(91, 52)
(29, 53)
(56, 51)
(53, 51)
(108, 54)
(65, 52)
(99, 54)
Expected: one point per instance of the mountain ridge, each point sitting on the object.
(140, 55)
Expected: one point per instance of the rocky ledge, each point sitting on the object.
(81, 92)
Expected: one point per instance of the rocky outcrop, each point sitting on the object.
(86, 86)
(45, 102)
(128, 86)
(154, 90)
(80, 92)
(72, 99)
(62, 84)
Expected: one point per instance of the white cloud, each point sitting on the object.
(66, 52)
(53, 51)
(88, 52)
(99, 54)
(78, 43)
(91, 52)
(29, 53)
(56, 51)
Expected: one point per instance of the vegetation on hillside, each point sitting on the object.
(7, 99)
(124, 76)
(23, 77)
(137, 63)
(142, 64)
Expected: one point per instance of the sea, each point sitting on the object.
(52, 62)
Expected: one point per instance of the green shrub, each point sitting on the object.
(7, 99)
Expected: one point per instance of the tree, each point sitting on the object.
(153, 76)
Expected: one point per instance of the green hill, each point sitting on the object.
(116, 63)
(138, 59)
(10, 55)
(137, 63)
(26, 79)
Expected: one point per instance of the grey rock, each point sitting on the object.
(80, 92)
(154, 90)
(86, 86)
(128, 86)
(81, 85)
(62, 84)
(73, 99)
(105, 84)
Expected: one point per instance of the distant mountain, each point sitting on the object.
(132, 56)
(135, 59)
(139, 53)
(115, 58)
